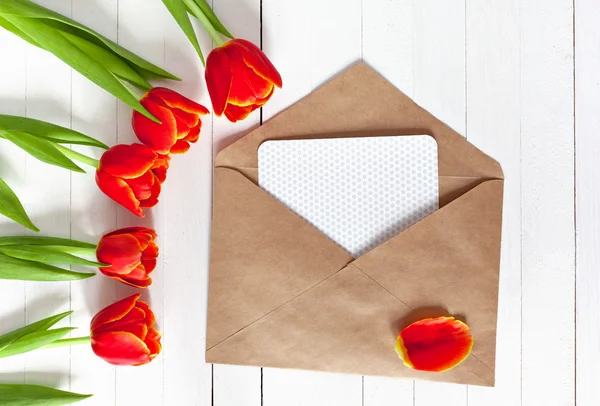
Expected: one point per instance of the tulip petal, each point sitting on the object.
(151, 251)
(132, 230)
(180, 147)
(120, 348)
(434, 345)
(133, 322)
(142, 186)
(114, 312)
(123, 252)
(236, 113)
(150, 319)
(159, 137)
(118, 190)
(143, 238)
(153, 199)
(246, 86)
(127, 161)
(178, 101)
(256, 59)
(153, 346)
(194, 134)
(185, 120)
(218, 76)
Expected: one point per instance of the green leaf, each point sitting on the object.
(39, 240)
(42, 325)
(11, 28)
(33, 341)
(44, 254)
(41, 149)
(26, 8)
(109, 60)
(18, 269)
(11, 207)
(180, 13)
(50, 132)
(34, 395)
(212, 17)
(52, 41)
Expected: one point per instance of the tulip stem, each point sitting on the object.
(197, 11)
(68, 342)
(77, 156)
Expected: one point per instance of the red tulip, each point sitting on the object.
(179, 117)
(123, 333)
(240, 79)
(132, 254)
(132, 175)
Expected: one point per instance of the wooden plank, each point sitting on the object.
(306, 58)
(548, 203)
(308, 388)
(49, 186)
(140, 29)
(243, 20)
(439, 86)
(94, 112)
(186, 238)
(13, 82)
(587, 126)
(388, 47)
(493, 124)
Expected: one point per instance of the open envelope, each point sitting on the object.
(281, 294)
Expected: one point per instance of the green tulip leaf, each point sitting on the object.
(22, 270)
(180, 13)
(11, 28)
(26, 8)
(109, 60)
(48, 255)
(50, 132)
(51, 40)
(212, 17)
(41, 149)
(11, 207)
(34, 395)
(42, 325)
(33, 341)
(63, 243)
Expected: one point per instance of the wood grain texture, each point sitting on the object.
(243, 19)
(587, 126)
(548, 223)
(439, 86)
(493, 124)
(388, 34)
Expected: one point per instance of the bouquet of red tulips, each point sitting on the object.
(240, 79)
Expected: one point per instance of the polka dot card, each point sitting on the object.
(360, 192)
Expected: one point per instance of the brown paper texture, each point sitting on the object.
(283, 295)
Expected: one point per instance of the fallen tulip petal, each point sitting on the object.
(434, 344)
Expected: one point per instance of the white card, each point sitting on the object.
(360, 192)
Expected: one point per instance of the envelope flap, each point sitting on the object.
(262, 255)
(450, 260)
(357, 103)
(346, 324)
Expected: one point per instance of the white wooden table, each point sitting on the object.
(521, 79)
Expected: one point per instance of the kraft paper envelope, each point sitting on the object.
(283, 295)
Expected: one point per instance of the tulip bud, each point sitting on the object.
(180, 124)
(123, 333)
(240, 79)
(131, 254)
(132, 176)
